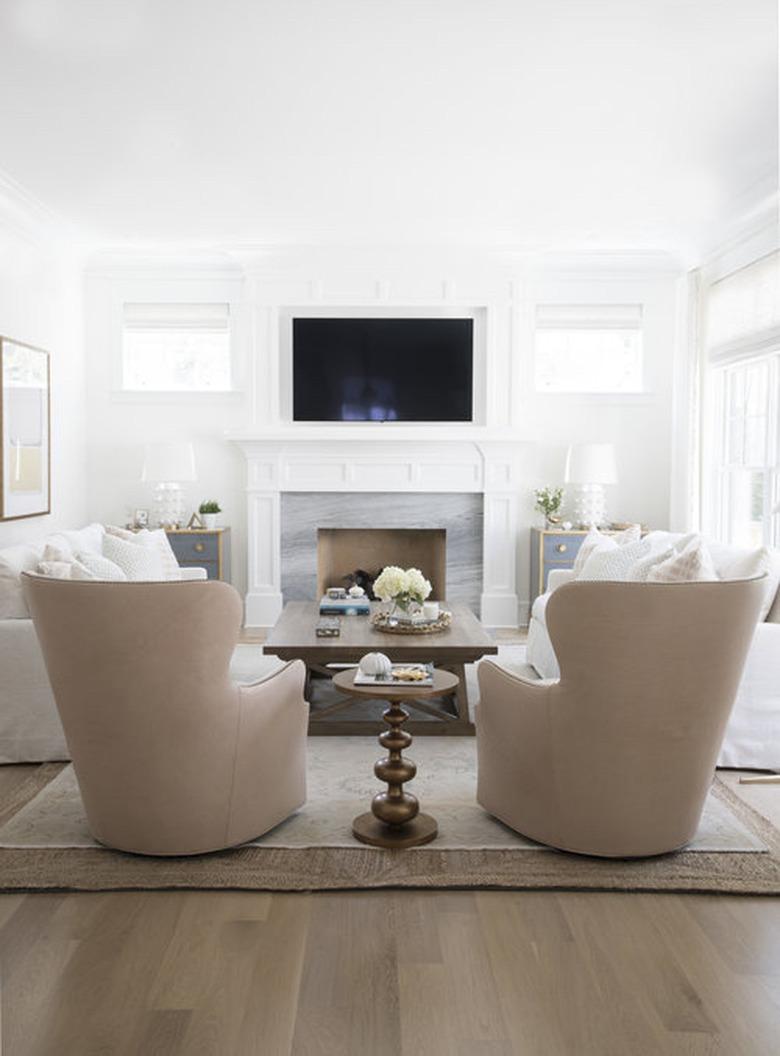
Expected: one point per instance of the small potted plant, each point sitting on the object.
(209, 513)
(548, 502)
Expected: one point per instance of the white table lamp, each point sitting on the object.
(591, 466)
(168, 466)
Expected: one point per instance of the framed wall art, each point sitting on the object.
(25, 430)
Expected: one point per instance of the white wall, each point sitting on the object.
(41, 303)
(120, 424)
(505, 286)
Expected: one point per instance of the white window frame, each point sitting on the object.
(723, 468)
(723, 351)
(589, 316)
(215, 289)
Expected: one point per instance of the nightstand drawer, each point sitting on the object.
(560, 547)
(212, 568)
(191, 549)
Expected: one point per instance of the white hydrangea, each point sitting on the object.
(419, 586)
(391, 582)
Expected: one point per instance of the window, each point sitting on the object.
(588, 348)
(176, 348)
(742, 326)
(748, 464)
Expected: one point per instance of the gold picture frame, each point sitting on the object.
(25, 430)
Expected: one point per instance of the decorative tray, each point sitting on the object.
(383, 621)
(400, 675)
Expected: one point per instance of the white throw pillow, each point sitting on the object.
(154, 540)
(56, 550)
(99, 567)
(137, 562)
(70, 569)
(692, 564)
(592, 542)
(171, 568)
(81, 539)
(13, 561)
(607, 564)
(54, 569)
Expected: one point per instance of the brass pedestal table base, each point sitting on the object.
(395, 819)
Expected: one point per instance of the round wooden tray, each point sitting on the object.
(380, 621)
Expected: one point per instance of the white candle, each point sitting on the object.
(431, 610)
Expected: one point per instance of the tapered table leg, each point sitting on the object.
(395, 819)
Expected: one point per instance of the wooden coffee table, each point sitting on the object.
(464, 642)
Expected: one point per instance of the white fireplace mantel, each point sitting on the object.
(351, 459)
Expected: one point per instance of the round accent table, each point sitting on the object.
(395, 819)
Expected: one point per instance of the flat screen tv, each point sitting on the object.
(382, 370)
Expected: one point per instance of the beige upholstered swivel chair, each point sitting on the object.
(616, 757)
(171, 757)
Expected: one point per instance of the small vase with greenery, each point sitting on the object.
(548, 502)
(209, 513)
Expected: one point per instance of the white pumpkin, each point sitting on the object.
(356, 591)
(376, 664)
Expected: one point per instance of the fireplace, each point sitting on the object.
(326, 536)
(302, 479)
(340, 551)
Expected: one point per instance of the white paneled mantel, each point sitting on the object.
(354, 459)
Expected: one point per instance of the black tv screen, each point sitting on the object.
(382, 370)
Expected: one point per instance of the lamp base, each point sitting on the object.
(590, 506)
(169, 503)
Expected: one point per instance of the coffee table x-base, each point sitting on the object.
(464, 642)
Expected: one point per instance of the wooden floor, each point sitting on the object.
(375, 973)
(453, 973)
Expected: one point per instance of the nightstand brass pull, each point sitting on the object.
(199, 548)
(561, 548)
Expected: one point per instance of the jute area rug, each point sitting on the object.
(45, 843)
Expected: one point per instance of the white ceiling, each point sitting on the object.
(523, 123)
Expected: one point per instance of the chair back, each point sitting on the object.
(649, 674)
(140, 674)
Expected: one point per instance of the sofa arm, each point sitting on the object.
(194, 573)
(557, 577)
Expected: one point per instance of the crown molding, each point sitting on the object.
(754, 229)
(27, 217)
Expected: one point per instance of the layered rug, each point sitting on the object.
(45, 841)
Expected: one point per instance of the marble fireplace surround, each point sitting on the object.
(355, 463)
(459, 514)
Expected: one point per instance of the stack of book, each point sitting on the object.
(344, 606)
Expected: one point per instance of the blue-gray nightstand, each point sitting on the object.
(207, 548)
(551, 549)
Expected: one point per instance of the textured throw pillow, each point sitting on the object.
(641, 569)
(607, 564)
(632, 534)
(154, 540)
(593, 541)
(99, 567)
(692, 564)
(137, 562)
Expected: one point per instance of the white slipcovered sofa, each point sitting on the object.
(30, 729)
(753, 734)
